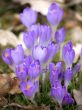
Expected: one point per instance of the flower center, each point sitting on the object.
(6, 55)
(28, 87)
(21, 69)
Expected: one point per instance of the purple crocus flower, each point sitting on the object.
(40, 53)
(29, 39)
(54, 76)
(29, 88)
(68, 76)
(55, 14)
(55, 71)
(17, 55)
(76, 68)
(59, 65)
(6, 56)
(52, 50)
(53, 67)
(60, 35)
(28, 17)
(34, 69)
(36, 29)
(67, 99)
(68, 53)
(45, 34)
(28, 60)
(58, 92)
(21, 71)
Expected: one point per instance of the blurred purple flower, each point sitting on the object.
(52, 50)
(60, 35)
(68, 99)
(68, 53)
(45, 34)
(29, 88)
(55, 14)
(68, 76)
(76, 68)
(28, 60)
(54, 76)
(58, 92)
(36, 29)
(17, 55)
(21, 71)
(34, 69)
(55, 71)
(28, 17)
(40, 53)
(29, 39)
(6, 56)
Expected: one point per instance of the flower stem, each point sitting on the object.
(43, 81)
(60, 106)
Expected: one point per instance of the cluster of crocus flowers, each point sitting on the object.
(60, 78)
(42, 48)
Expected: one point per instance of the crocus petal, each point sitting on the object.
(34, 69)
(52, 50)
(17, 55)
(58, 92)
(29, 88)
(28, 17)
(60, 35)
(21, 71)
(29, 39)
(68, 53)
(6, 56)
(76, 68)
(55, 14)
(68, 76)
(68, 99)
(39, 53)
(45, 34)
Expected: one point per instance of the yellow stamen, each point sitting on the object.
(28, 87)
(6, 55)
(20, 69)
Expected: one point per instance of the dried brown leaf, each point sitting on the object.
(15, 86)
(5, 84)
(8, 84)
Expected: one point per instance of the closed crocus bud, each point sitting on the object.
(45, 34)
(52, 50)
(55, 14)
(29, 39)
(36, 29)
(40, 53)
(29, 88)
(59, 65)
(76, 68)
(67, 99)
(28, 17)
(34, 69)
(17, 55)
(60, 35)
(54, 75)
(6, 56)
(55, 71)
(68, 54)
(58, 92)
(68, 76)
(21, 71)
